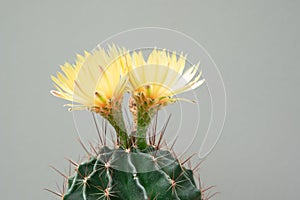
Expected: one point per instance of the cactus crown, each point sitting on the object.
(138, 168)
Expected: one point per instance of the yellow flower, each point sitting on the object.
(155, 82)
(96, 81)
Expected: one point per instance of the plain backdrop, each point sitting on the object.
(255, 44)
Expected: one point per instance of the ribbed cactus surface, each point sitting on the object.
(123, 174)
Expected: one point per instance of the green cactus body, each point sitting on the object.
(119, 174)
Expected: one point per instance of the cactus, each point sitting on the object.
(99, 178)
(135, 168)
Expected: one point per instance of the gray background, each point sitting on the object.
(254, 43)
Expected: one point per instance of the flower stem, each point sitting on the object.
(144, 119)
(117, 122)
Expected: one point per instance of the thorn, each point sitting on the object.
(105, 132)
(188, 159)
(195, 168)
(59, 172)
(128, 119)
(155, 128)
(118, 141)
(163, 132)
(72, 162)
(182, 173)
(70, 169)
(85, 149)
(64, 186)
(55, 193)
(149, 137)
(172, 146)
(97, 128)
(133, 141)
(58, 188)
(189, 164)
(208, 188)
(199, 182)
(114, 140)
(174, 155)
(92, 147)
(212, 195)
